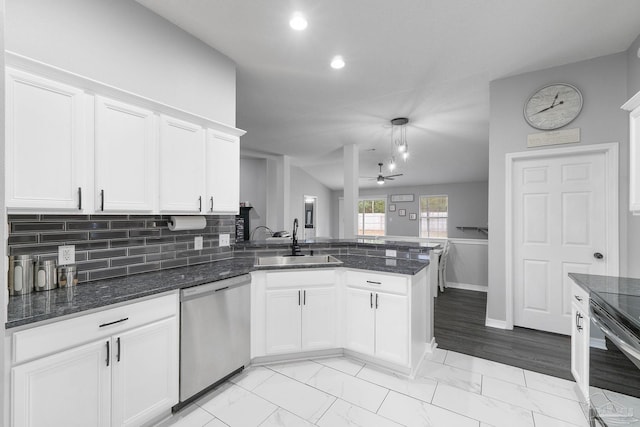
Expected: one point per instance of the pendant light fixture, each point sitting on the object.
(399, 144)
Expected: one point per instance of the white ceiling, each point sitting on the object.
(428, 60)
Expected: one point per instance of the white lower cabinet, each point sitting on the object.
(580, 339)
(377, 324)
(125, 378)
(382, 318)
(70, 388)
(144, 374)
(300, 319)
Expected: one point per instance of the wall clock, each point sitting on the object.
(553, 106)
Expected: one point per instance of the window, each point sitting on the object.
(434, 212)
(372, 217)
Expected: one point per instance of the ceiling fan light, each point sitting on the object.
(405, 155)
(392, 164)
(380, 180)
(402, 148)
(298, 22)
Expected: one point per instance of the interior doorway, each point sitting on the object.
(562, 217)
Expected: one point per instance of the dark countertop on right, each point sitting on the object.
(620, 296)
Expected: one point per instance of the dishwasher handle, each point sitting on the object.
(210, 288)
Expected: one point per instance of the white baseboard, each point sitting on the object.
(467, 286)
(494, 323)
(598, 343)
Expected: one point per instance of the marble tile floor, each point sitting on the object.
(451, 389)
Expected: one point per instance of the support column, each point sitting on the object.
(351, 190)
(278, 193)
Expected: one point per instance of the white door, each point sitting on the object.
(145, 372)
(223, 173)
(560, 214)
(392, 327)
(319, 318)
(181, 166)
(71, 389)
(283, 325)
(45, 144)
(125, 157)
(359, 321)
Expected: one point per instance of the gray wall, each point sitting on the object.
(121, 43)
(254, 179)
(603, 82)
(467, 207)
(253, 188)
(303, 184)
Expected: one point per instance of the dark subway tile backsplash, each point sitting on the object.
(117, 245)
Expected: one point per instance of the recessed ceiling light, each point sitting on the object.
(298, 21)
(337, 62)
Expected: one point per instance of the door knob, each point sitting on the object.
(598, 255)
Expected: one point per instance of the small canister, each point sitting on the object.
(67, 275)
(20, 274)
(44, 276)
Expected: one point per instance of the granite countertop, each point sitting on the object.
(619, 296)
(38, 306)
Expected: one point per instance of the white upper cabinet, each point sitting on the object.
(633, 106)
(223, 173)
(125, 153)
(84, 147)
(182, 163)
(45, 143)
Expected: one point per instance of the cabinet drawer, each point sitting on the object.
(42, 340)
(580, 297)
(289, 279)
(377, 282)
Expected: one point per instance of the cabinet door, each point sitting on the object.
(125, 157)
(181, 166)
(223, 173)
(392, 327)
(45, 144)
(319, 318)
(70, 388)
(359, 321)
(282, 323)
(145, 372)
(580, 337)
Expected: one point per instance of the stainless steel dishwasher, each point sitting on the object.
(214, 334)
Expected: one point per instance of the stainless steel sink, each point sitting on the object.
(271, 261)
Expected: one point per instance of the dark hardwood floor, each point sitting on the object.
(459, 326)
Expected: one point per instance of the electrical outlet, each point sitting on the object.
(66, 255)
(391, 253)
(197, 243)
(224, 240)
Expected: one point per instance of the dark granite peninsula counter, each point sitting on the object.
(38, 306)
(619, 296)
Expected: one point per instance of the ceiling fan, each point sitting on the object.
(380, 179)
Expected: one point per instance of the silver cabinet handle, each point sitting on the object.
(119, 352)
(200, 203)
(108, 353)
(374, 283)
(578, 298)
(79, 198)
(102, 200)
(578, 318)
(377, 295)
(304, 297)
(211, 203)
(298, 297)
(371, 299)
